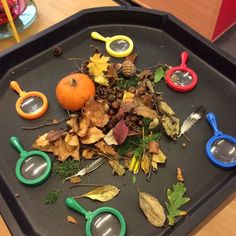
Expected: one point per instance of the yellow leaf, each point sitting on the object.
(128, 97)
(98, 64)
(84, 125)
(117, 167)
(43, 144)
(102, 194)
(145, 164)
(159, 158)
(93, 135)
(101, 80)
(75, 179)
(72, 140)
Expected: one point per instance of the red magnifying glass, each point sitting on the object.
(181, 78)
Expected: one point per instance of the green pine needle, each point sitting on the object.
(123, 83)
(52, 197)
(67, 168)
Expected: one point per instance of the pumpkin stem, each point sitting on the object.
(73, 82)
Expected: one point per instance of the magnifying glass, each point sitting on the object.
(33, 167)
(104, 221)
(117, 46)
(221, 148)
(30, 105)
(181, 78)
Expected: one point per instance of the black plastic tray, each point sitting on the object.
(158, 37)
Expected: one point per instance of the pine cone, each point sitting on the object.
(101, 92)
(128, 69)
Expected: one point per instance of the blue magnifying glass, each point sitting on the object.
(221, 148)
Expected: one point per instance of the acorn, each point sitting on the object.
(128, 69)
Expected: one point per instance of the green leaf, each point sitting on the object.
(52, 197)
(176, 200)
(134, 179)
(159, 74)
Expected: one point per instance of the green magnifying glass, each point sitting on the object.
(33, 167)
(104, 221)
(117, 46)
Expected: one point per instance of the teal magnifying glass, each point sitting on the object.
(104, 221)
(33, 167)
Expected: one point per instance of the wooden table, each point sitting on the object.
(222, 220)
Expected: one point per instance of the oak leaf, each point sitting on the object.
(93, 135)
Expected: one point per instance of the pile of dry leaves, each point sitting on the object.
(122, 123)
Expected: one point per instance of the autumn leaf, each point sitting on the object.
(102, 194)
(106, 149)
(75, 179)
(63, 150)
(153, 124)
(102, 80)
(112, 72)
(166, 109)
(159, 158)
(88, 153)
(159, 74)
(93, 135)
(121, 131)
(145, 112)
(72, 219)
(145, 164)
(171, 126)
(117, 167)
(179, 175)
(43, 144)
(98, 64)
(110, 139)
(153, 147)
(128, 97)
(83, 125)
(72, 140)
(97, 113)
(73, 123)
(152, 209)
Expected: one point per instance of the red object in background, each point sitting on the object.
(226, 18)
(16, 7)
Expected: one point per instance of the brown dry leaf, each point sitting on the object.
(111, 72)
(73, 123)
(98, 64)
(128, 97)
(110, 139)
(153, 147)
(72, 140)
(63, 150)
(152, 209)
(43, 144)
(166, 109)
(72, 219)
(179, 176)
(146, 74)
(88, 153)
(84, 125)
(106, 149)
(127, 106)
(147, 100)
(145, 112)
(117, 167)
(171, 126)
(132, 57)
(145, 163)
(97, 112)
(102, 194)
(159, 158)
(75, 179)
(93, 135)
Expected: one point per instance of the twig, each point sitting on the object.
(83, 185)
(75, 59)
(55, 122)
(187, 138)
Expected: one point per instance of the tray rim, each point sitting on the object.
(220, 194)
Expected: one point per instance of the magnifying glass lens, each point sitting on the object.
(31, 104)
(119, 45)
(33, 167)
(181, 77)
(224, 150)
(106, 224)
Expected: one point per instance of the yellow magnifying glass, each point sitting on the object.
(30, 105)
(117, 46)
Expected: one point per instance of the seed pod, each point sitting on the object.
(152, 209)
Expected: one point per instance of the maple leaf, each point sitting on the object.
(98, 64)
(120, 132)
(93, 135)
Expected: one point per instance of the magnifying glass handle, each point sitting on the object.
(96, 35)
(184, 58)
(16, 144)
(73, 204)
(212, 121)
(15, 86)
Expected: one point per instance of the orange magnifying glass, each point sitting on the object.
(30, 105)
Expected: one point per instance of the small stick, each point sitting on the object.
(84, 185)
(43, 125)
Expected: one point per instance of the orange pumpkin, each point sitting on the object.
(74, 90)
